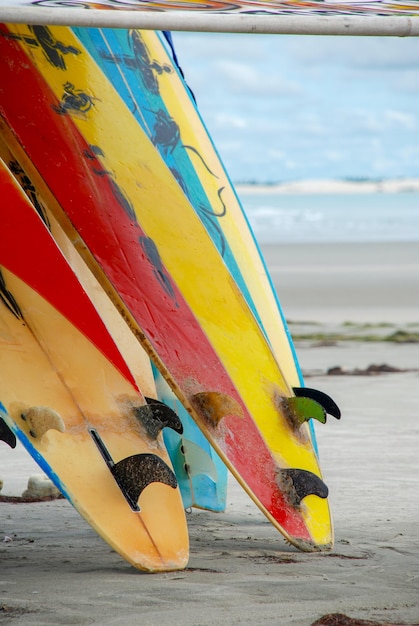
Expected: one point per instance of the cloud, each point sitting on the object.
(250, 79)
(369, 53)
(400, 119)
(408, 81)
(304, 107)
(229, 120)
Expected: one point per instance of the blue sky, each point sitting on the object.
(296, 107)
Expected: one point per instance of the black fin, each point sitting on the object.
(155, 416)
(6, 434)
(322, 398)
(136, 472)
(297, 484)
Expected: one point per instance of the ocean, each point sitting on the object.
(332, 217)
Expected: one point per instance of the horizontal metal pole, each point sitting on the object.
(200, 21)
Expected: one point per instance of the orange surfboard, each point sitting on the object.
(68, 395)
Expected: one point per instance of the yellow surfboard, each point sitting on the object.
(164, 107)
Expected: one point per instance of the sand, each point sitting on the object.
(55, 570)
(362, 282)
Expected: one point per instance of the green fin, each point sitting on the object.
(322, 398)
(303, 409)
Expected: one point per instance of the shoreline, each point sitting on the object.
(402, 185)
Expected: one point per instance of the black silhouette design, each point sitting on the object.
(74, 101)
(153, 256)
(8, 300)
(95, 151)
(92, 154)
(53, 49)
(180, 181)
(166, 133)
(144, 63)
(30, 190)
(123, 200)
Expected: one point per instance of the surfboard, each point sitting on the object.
(125, 59)
(158, 264)
(164, 107)
(201, 475)
(68, 395)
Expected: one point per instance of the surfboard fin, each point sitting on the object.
(6, 434)
(134, 473)
(300, 410)
(214, 406)
(155, 415)
(298, 484)
(196, 461)
(322, 398)
(40, 419)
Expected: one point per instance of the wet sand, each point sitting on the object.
(55, 570)
(375, 282)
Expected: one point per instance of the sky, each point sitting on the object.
(289, 107)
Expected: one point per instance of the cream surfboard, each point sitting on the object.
(201, 475)
(68, 395)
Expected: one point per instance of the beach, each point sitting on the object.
(356, 282)
(349, 306)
